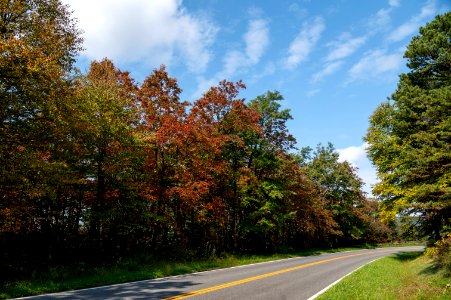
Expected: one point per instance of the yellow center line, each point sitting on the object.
(249, 279)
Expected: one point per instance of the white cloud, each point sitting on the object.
(411, 26)
(341, 48)
(403, 31)
(375, 63)
(232, 62)
(380, 20)
(257, 39)
(344, 47)
(394, 3)
(353, 154)
(356, 156)
(152, 32)
(328, 69)
(313, 92)
(428, 10)
(268, 69)
(304, 42)
(297, 10)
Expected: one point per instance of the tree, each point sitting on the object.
(102, 118)
(341, 188)
(281, 206)
(38, 44)
(410, 135)
(273, 120)
(264, 188)
(164, 129)
(219, 158)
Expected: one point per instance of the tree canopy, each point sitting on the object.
(410, 135)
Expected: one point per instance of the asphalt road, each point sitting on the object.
(295, 278)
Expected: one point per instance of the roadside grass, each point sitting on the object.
(63, 278)
(401, 276)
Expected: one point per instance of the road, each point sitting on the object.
(294, 278)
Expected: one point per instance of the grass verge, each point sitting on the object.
(63, 278)
(401, 276)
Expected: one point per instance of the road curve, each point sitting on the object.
(294, 278)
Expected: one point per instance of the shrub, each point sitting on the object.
(441, 254)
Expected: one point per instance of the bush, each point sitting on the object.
(441, 253)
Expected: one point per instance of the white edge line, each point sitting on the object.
(340, 279)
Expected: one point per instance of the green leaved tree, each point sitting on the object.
(410, 135)
(341, 188)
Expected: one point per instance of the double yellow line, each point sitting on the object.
(249, 279)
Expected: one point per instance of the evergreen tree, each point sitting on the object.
(410, 135)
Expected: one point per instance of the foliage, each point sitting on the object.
(409, 135)
(341, 188)
(441, 253)
(38, 43)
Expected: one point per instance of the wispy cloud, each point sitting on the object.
(344, 47)
(375, 63)
(411, 26)
(382, 19)
(256, 40)
(149, 32)
(312, 93)
(304, 42)
(297, 10)
(328, 69)
(341, 48)
(394, 3)
(268, 69)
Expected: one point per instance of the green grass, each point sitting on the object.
(62, 278)
(400, 276)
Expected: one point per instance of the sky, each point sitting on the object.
(333, 61)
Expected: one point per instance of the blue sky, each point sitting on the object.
(333, 61)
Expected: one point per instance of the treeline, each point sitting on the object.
(97, 166)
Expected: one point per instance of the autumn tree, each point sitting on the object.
(38, 45)
(311, 223)
(102, 118)
(221, 120)
(163, 130)
(409, 135)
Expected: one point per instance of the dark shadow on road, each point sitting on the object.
(148, 289)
